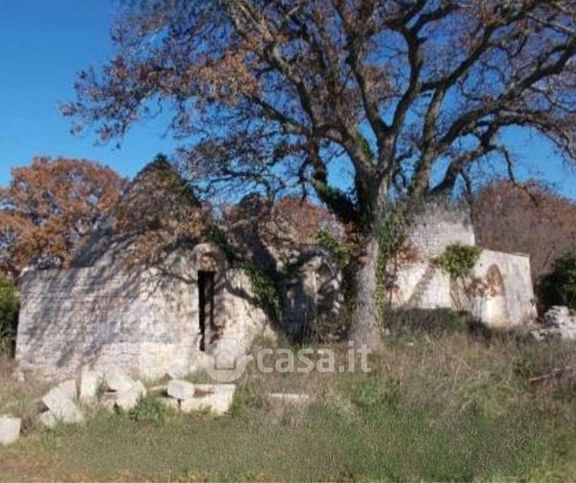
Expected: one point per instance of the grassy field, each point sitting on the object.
(443, 402)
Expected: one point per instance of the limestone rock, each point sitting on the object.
(63, 408)
(559, 321)
(9, 430)
(179, 389)
(69, 389)
(216, 398)
(129, 399)
(48, 419)
(108, 401)
(89, 384)
(117, 380)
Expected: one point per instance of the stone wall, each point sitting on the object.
(146, 322)
(506, 294)
(313, 297)
(498, 291)
(436, 227)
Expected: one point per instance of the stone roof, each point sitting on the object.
(158, 196)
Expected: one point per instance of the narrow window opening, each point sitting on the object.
(206, 307)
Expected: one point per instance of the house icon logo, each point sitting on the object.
(225, 367)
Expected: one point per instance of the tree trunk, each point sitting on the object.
(364, 324)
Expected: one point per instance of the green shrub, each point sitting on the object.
(9, 306)
(559, 287)
(458, 260)
(148, 410)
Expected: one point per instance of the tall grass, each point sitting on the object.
(440, 404)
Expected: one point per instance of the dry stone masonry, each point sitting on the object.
(498, 290)
(195, 307)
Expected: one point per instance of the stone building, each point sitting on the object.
(189, 304)
(170, 315)
(498, 290)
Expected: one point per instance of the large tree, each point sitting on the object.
(407, 95)
(50, 207)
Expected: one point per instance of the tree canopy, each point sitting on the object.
(50, 207)
(526, 218)
(277, 94)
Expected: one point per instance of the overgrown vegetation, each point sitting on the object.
(458, 260)
(443, 402)
(559, 287)
(391, 235)
(333, 245)
(265, 290)
(9, 305)
(148, 410)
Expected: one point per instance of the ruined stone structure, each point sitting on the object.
(498, 291)
(172, 316)
(153, 322)
(194, 306)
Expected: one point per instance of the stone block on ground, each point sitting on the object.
(117, 380)
(48, 419)
(108, 400)
(129, 399)
(179, 389)
(69, 388)
(9, 430)
(558, 321)
(62, 407)
(89, 384)
(216, 398)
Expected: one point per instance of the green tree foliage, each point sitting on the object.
(411, 95)
(559, 287)
(9, 306)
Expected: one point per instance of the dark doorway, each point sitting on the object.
(206, 308)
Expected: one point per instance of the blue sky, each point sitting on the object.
(44, 43)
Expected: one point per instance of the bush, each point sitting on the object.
(9, 306)
(458, 260)
(148, 410)
(559, 287)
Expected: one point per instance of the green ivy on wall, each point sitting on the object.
(265, 290)
(458, 260)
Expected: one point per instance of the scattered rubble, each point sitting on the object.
(558, 322)
(216, 398)
(123, 391)
(9, 430)
(89, 385)
(48, 419)
(117, 380)
(180, 390)
(65, 402)
(61, 402)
